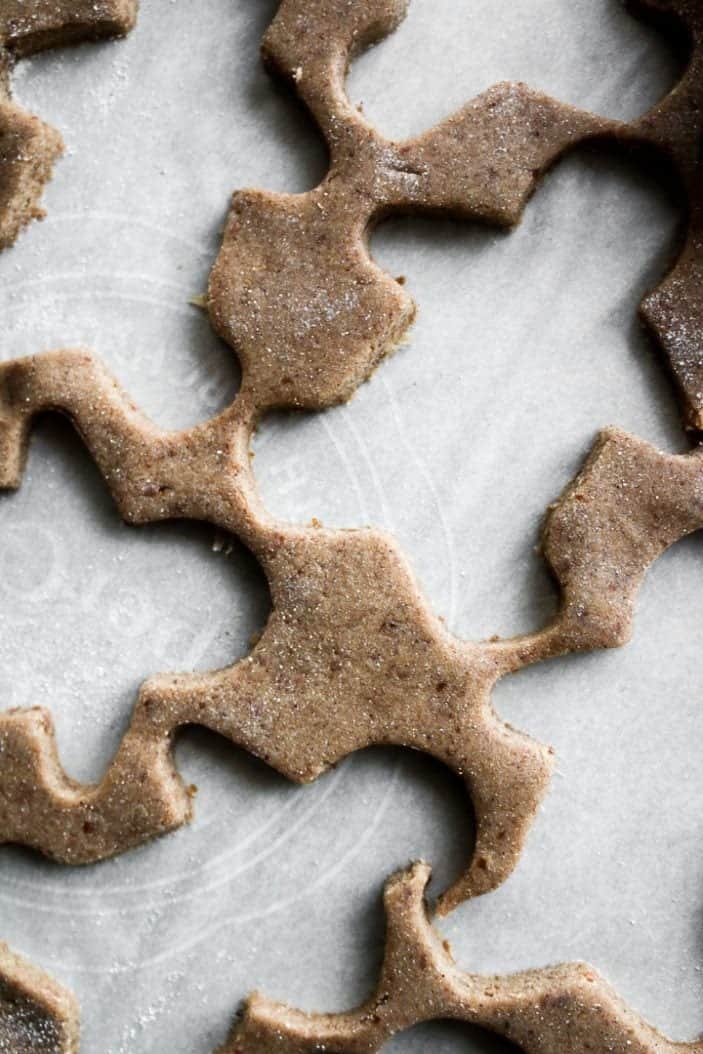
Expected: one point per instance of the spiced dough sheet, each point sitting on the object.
(526, 344)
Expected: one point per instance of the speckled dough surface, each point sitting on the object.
(294, 289)
(37, 1016)
(351, 655)
(674, 310)
(28, 146)
(568, 1009)
(544, 1011)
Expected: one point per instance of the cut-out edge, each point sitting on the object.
(29, 146)
(36, 1013)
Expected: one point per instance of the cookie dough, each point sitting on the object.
(295, 290)
(351, 655)
(28, 146)
(568, 1009)
(674, 128)
(37, 1016)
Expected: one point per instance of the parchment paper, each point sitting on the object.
(526, 344)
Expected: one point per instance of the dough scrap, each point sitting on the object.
(28, 146)
(568, 1008)
(37, 1015)
(351, 655)
(674, 310)
(294, 289)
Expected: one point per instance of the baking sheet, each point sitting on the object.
(525, 345)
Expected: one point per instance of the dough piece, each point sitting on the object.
(37, 1016)
(351, 655)
(567, 1009)
(28, 26)
(294, 289)
(546, 1011)
(674, 310)
(28, 147)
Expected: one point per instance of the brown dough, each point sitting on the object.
(28, 147)
(567, 1009)
(351, 655)
(37, 1016)
(674, 311)
(294, 289)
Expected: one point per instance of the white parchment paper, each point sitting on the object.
(526, 344)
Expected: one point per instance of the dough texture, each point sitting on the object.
(295, 290)
(28, 146)
(568, 1009)
(351, 655)
(37, 1016)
